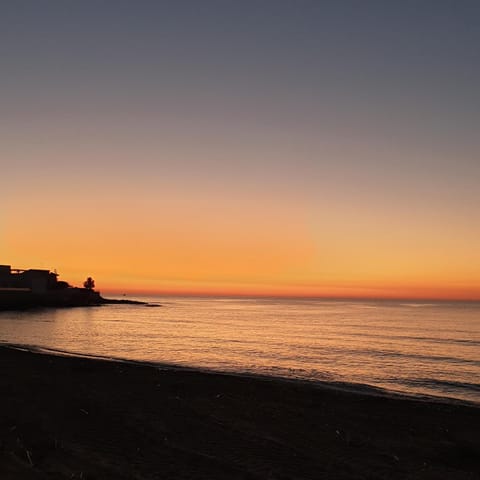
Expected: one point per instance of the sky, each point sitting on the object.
(310, 148)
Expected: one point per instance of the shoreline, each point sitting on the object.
(73, 417)
(347, 387)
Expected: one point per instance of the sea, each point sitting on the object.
(424, 349)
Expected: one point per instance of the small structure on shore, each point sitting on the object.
(21, 288)
(37, 281)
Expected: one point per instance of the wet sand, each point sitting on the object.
(63, 417)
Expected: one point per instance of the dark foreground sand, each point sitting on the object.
(78, 418)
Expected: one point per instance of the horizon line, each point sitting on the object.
(167, 293)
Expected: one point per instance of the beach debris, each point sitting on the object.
(74, 475)
(345, 436)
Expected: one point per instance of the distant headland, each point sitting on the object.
(20, 288)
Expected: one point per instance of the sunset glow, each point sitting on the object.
(211, 151)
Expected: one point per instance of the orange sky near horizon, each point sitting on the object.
(242, 247)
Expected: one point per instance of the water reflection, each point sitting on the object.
(389, 345)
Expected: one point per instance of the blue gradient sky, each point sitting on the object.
(353, 124)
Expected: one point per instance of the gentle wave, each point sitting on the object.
(382, 354)
(442, 384)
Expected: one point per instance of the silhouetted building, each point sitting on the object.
(36, 281)
(40, 288)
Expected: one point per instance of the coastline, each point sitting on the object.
(67, 298)
(333, 385)
(77, 417)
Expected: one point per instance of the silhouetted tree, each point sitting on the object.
(89, 283)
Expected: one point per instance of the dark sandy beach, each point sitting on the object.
(63, 417)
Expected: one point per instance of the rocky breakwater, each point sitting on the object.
(66, 297)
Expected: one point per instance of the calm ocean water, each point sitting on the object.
(415, 348)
